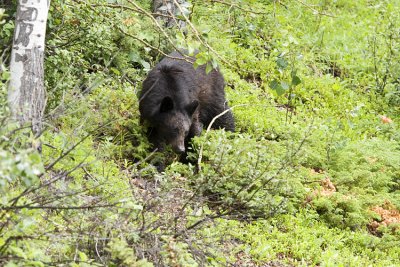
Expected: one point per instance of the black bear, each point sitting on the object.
(177, 101)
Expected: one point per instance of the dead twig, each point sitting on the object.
(208, 130)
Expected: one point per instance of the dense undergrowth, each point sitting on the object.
(310, 178)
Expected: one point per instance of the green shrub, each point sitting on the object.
(243, 176)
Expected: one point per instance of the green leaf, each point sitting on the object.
(296, 80)
(282, 63)
(191, 50)
(82, 256)
(284, 85)
(17, 251)
(145, 36)
(201, 60)
(115, 71)
(209, 68)
(145, 64)
(134, 57)
(274, 84)
(279, 87)
(5, 75)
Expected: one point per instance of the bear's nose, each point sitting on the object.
(180, 149)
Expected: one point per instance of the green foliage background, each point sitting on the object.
(315, 91)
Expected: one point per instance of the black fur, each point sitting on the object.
(177, 101)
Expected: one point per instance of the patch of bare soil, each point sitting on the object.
(327, 189)
(389, 216)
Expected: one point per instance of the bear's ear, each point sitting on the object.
(167, 104)
(191, 108)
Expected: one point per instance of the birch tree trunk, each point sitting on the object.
(26, 92)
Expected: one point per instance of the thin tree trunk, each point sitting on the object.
(26, 93)
(169, 12)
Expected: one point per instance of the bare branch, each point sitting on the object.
(316, 12)
(230, 4)
(7, 208)
(185, 57)
(209, 128)
(199, 38)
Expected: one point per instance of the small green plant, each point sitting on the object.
(244, 177)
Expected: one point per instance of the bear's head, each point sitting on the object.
(174, 122)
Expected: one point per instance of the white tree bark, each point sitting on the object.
(26, 92)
